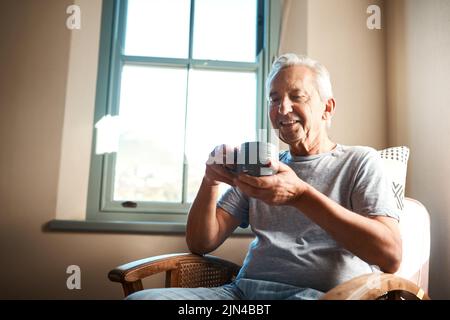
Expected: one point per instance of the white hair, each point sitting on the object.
(322, 76)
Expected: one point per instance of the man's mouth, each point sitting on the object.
(288, 122)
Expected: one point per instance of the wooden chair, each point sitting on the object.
(187, 270)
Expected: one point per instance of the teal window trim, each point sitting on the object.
(138, 227)
(111, 60)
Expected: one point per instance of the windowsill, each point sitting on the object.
(125, 227)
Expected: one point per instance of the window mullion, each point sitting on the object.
(154, 61)
(224, 65)
(116, 53)
(191, 29)
(185, 160)
(118, 40)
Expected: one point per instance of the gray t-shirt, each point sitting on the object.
(289, 247)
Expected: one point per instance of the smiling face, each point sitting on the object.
(297, 110)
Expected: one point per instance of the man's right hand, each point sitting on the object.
(217, 164)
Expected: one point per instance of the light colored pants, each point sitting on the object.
(241, 289)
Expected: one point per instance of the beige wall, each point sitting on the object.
(33, 84)
(34, 90)
(418, 43)
(336, 35)
(79, 113)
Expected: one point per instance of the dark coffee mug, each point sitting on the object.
(255, 158)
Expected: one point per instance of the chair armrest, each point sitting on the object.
(130, 274)
(374, 286)
(140, 269)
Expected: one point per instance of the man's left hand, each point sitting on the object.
(283, 188)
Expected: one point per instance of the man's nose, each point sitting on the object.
(285, 106)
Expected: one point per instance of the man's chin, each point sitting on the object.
(290, 140)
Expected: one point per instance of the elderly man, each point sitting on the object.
(324, 218)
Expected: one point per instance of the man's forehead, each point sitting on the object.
(293, 78)
(295, 72)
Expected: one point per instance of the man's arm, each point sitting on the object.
(208, 225)
(375, 239)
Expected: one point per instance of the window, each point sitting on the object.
(180, 77)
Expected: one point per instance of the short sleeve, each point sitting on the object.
(235, 203)
(371, 194)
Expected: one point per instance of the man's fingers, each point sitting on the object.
(283, 167)
(221, 171)
(222, 154)
(250, 190)
(245, 188)
(216, 172)
(274, 164)
(257, 182)
(228, 181)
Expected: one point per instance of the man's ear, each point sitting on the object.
(330, 108)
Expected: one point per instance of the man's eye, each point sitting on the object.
(299, 98)
(274, 101)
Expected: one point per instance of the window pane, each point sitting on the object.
(225, 30)
(221, 109)
(149, 164)
(158, 28)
